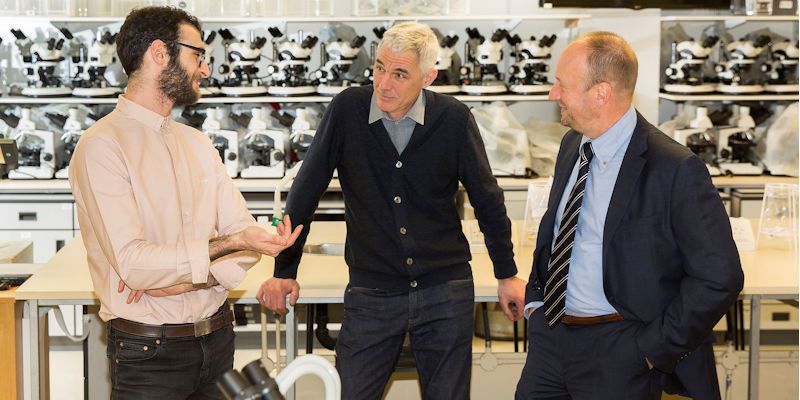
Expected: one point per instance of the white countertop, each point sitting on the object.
(66, 276)
(61, 186)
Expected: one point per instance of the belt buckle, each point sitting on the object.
(202, 328)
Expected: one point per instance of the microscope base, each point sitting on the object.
(96, 92)
(333, 90)
(291, 90)
(46, 92)
(713, 171)
(446, 89)
(740, 89)
(528, 89)
(62, 173)
(782, 88)
(260, 171)
(679, 88)
(27, 172)
(243, 91)
(734, 168)
(210, 92)
(478, 89)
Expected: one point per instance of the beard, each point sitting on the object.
(177, 85)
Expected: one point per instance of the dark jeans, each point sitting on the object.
(168, 368)
(439, 322)
(585, 362)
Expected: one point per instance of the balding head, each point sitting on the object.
(609, 58)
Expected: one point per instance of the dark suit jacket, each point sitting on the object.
(669, 259)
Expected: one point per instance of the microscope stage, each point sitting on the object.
(740, 89)
(678, 88)
(291, 90)
(243, 91)
(47, 92)
(96, 92)
(446, 89)
(484, 89)
(528, 89)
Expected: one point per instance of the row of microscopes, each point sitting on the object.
(727, 147)
(44, 61)
(252, 143)
(751, 64)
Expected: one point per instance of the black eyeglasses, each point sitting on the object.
(201, 53)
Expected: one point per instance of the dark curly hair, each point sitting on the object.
(144, 25)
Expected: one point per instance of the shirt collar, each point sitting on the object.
(148, 117)
(609, 144)
(416, 113)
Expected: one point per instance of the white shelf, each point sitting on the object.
(56, 100)
(742, 18)
(501, 97)
(728, 97)
(255, 99)
(543, 16)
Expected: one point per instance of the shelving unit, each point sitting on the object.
(728, 97)
(256, 99)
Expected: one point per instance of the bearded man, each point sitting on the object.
(167, 234)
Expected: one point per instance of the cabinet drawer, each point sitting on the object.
(35, 216)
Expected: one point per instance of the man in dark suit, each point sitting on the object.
(635, 262)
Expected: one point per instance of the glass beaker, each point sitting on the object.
(778, 226)
(294, 8)
(231, 8)
(60, 8)
(456, 7)
(363, 8)
(30, 7)
(8, 7)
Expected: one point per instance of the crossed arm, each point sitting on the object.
(252, 238)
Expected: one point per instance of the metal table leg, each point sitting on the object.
(755, 347)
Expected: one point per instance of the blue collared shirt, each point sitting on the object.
(585, 295)
(400, 130)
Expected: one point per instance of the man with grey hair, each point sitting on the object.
(635, 262)
(401, 153)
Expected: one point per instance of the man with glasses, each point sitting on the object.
(166, 232)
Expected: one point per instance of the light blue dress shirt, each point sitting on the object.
(585, 295)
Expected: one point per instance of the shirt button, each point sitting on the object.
(403, 231)
(409, 261)
(413, 284)
(397, 199)
(399, 164)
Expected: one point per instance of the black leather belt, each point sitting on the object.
(600, 319)
(222, 318)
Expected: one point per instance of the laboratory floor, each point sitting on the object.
(779, 374)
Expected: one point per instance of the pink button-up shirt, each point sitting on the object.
(150, 193)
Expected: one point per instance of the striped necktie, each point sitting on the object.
(555, 290)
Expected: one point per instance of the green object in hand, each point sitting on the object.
(276, 221)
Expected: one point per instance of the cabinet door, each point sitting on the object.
(36, 215)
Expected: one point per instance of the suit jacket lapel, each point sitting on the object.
(632, 165)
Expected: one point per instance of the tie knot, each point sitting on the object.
(586, 152)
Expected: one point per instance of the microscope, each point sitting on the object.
(373, 52)
(288, 75)
(255, 383)
(445, 82)
(40, 61)
(239, 69)
(738, 72)
(528, 74)
(699, 138)
(735, 145)
(89, 65)
(225, 141)
(685, 72)
(337, 57)
(72, 133)
(480, 75)
(264, 148)
(303, 130)
(210, 86)
(37, 150)
(783, 67)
